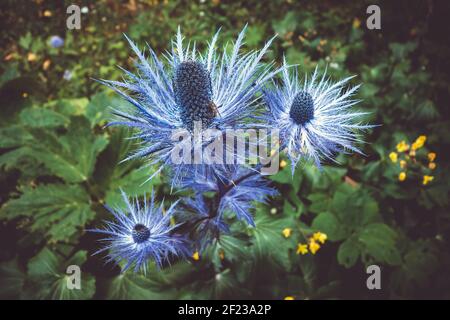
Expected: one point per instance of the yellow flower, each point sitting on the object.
(432, 165)
(402, 146)
(420, 141)
(46, 64)
(302, 249)
(196, 256)
(402, 176)
(393, 156)
(47, 13)
(356, 23)
(289, 298)
(283, 164)
(319, 236)
(403, 164)
(287, 232)
(427, 179)
(431, 156)
(412, 153)
(31, 57)
(313, 246)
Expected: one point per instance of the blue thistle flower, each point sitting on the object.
(236, 188)
(56, 41)
(218, 90)
(314, 118)
(141, 234)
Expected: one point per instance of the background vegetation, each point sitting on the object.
(58, 165)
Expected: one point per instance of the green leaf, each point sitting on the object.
(70, 156)
(348, 252)
(134, 183)
(328, 223)
(380, 243)
(49, 279)
(13, 136)
(231, 248)
(288, 24)
(137, 287)
(268, 240)
(57, 211)
(12, 280)
(42, 117)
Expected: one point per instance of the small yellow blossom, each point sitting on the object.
(289, 298)
(402, 146)
(319, 236)
(412, 153)
(420, 141)
(283, 164)
(431, 156)
(287, 232)
(313, 246)
(302, 249)
(25, 94)
(432, 165)
(427, 179)
(46, 64)
(47, 13)
(196, 256)
(402, 176)
(31, 57)
(403, 164)
(393, 156)
(356, 23)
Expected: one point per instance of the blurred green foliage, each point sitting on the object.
(59, 164)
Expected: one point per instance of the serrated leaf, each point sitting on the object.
(12, 280)
(13, 136)
(42, 117)
(137, 287)
(268, 240)
(57, 211)
(380, 243)
(49, 279)
(70, 156)
(227, 247)
(348, 252)
(328, 223)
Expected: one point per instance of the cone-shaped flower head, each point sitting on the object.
(314, 118)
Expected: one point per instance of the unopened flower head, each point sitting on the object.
(141, 233)
(314, 117)
(218, 91)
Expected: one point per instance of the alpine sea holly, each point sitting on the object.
(314, 117)
(216, 90)
(220, 92)
(141, 233)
